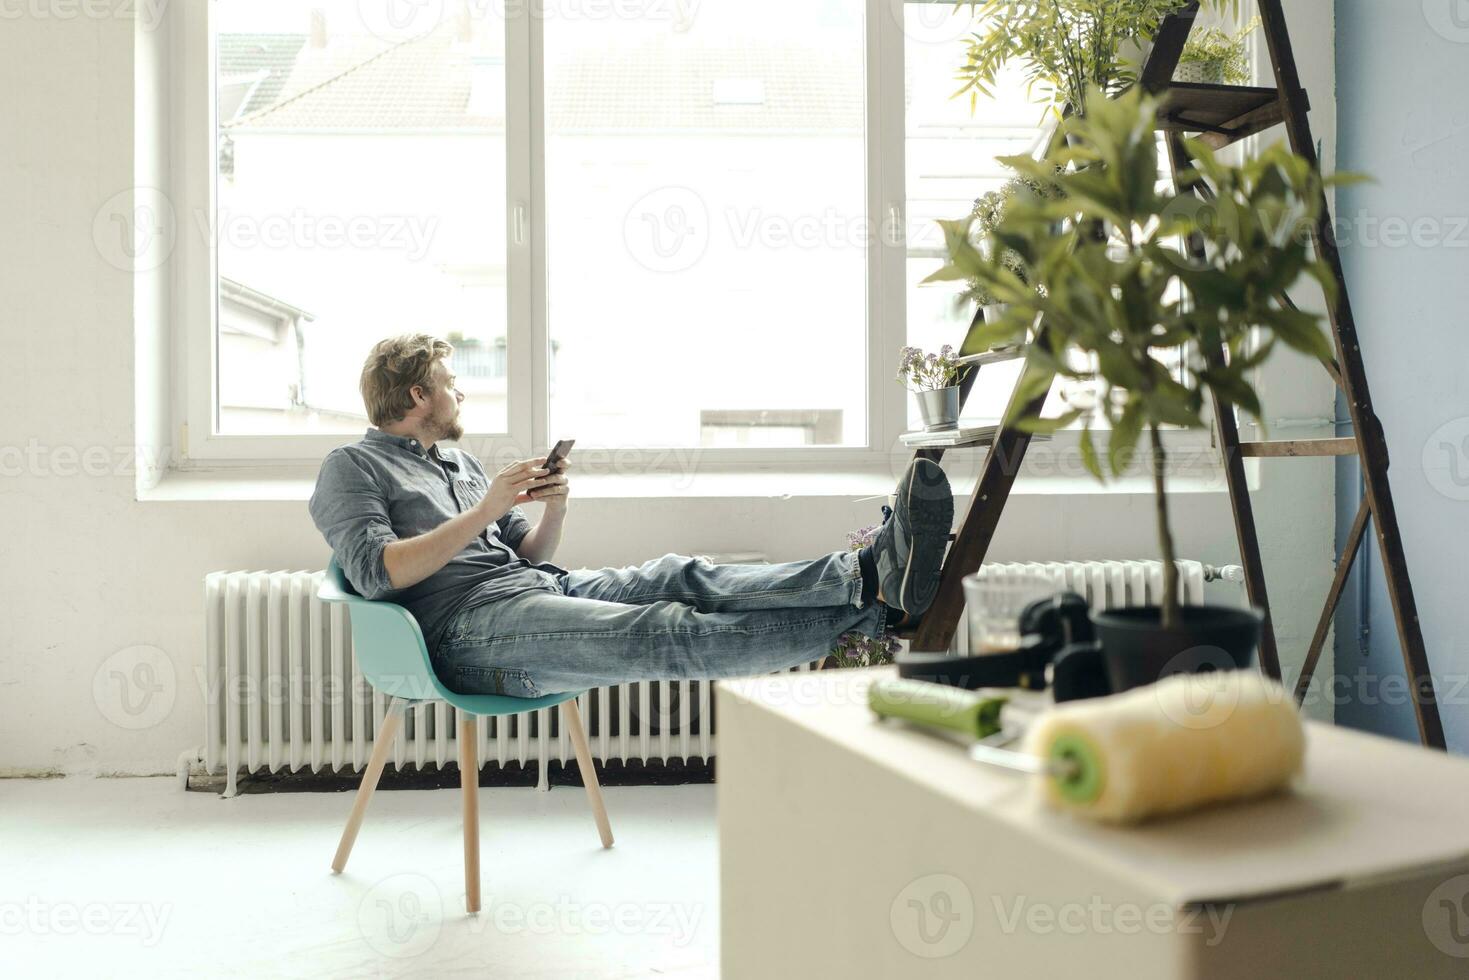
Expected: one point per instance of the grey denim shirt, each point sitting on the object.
(388, 487)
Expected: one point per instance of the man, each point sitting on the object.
(420, 524)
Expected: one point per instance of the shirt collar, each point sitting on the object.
(411, 445)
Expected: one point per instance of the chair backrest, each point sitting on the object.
(391, 652)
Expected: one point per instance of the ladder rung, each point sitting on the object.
(1300, 447)
(992, 356)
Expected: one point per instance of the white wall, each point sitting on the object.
(89, 572)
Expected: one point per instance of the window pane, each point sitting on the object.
(361, 193)
(950, 162)
(706, 216)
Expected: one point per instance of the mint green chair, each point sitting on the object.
(392, 655)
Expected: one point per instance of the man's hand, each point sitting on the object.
(553, 490)
(511, 486)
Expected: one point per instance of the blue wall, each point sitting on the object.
(1403, 117)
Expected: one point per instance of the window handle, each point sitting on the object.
(517, 224)
(895, 226)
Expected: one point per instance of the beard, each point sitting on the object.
(445, 426)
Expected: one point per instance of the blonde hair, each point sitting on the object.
(392, 369)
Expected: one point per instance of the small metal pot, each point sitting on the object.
(939, 409)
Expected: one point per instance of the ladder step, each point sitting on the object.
(1222, 114)
(997, 356)
(1300, 447)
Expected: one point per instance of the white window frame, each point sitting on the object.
(192, 144)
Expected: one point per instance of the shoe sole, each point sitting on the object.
(924, 516)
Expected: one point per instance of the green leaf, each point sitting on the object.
(1089, 454)
(1124, 437)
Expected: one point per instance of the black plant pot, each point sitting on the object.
(1136, 650)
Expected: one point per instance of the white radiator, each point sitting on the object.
(282, 692)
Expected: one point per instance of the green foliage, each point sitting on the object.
(1068, 47)
(1119, 285)
(1213, 46)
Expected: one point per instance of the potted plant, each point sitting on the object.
(1214, 57)
(934, 380)
(1121, 287)
(1069, 48)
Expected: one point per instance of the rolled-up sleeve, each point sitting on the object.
(351, 511)
(514, 526)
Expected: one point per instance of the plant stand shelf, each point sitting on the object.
(1223, 114)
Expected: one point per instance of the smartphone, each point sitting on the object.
(558, 453)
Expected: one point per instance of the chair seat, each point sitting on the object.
(499, 704)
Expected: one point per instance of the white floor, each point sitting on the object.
(134, 877)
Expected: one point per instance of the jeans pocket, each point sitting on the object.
(505, 681)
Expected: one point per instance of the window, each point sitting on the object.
(648, 225)
(705, 192)
(360, 193)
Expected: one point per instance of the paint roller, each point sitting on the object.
(1188, 741)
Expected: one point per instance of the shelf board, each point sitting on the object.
(1222, 114)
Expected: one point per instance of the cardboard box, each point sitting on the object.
(852, 847)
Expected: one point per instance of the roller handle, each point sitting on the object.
(936, 706)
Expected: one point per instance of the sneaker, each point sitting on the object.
(910, 545)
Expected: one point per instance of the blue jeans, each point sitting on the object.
(670, 618)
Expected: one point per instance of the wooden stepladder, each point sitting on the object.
(1220, 115)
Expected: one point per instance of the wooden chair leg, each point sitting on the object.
(469, 783)
(571, 718)
(382, 747)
